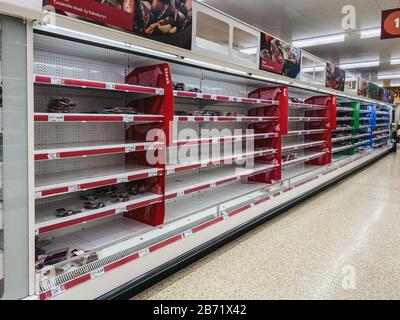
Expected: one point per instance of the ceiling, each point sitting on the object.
(293, 20)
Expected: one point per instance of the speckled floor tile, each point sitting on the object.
(341, 244)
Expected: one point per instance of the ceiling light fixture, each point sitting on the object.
(395, 61)
(214, 66)
(356, 65)
(319, 41)
(370, 33)
(388, 76)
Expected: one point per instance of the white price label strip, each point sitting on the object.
(97, 273)
(181, 193)
(56, 118)
(128, 118)
(56, 81)
(120, 210)
(188, 233)
(56, 291)
(122, 179)
(144, 252)
(52, 156)
(153, 174)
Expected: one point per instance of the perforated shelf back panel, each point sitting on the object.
(77, 164)
(58, 65)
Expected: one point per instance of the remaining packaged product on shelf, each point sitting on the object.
(136, 189)
(91, 205)
(181, 113)
(60, 105)
(120, 110)
(290, 157)
(296, 100)
(62, 212)
(56, 256)
(180, 86)
(120, 197)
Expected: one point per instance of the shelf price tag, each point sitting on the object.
(56, 291)
(120, 210)
(97, 273)
(153, 174)
(225, 216)
(144, 253)
(181, 193)
(53, 156)
(56, 118)
(188, 233)
(207, 118)
(128, 118)
(73, 188)
(57, 81)
(122, 179)
(130, 149)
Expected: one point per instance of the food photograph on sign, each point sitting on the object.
(395, 96)
(335, 77)
(279, 57)
(363, 87)
(167, 21)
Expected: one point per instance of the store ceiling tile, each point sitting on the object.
(301, 19)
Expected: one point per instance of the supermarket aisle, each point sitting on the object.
(306, 253)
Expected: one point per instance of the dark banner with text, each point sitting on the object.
(167, 21)
(279, 57)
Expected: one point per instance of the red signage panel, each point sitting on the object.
(390, 24)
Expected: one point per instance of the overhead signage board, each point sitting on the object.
(335, 77)
(279, 57)
(168, 21)
(396, 94)
(390, 24)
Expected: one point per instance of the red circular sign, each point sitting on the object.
(392, 23)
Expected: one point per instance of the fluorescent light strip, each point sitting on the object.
(395, 61)
(388, 76)
(119, 44)
(319, 41)
(360, 65)
(371, 33)
(214, 66)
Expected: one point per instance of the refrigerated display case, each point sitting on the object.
(139, 155)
